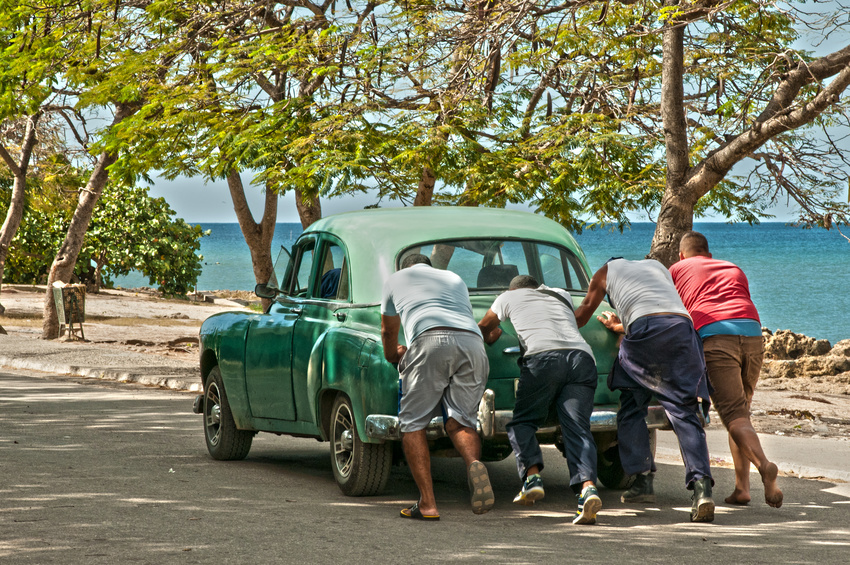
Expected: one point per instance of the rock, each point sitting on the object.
(175, 316)
(818, 427)
(841, 348)
(785, 344)
(827, 365)
(798, 362)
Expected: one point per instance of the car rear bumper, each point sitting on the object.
(491, 422)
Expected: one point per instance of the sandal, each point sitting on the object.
(414, 513)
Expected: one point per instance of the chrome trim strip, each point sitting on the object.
(492, 423)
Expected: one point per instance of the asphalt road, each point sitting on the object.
(95, 473)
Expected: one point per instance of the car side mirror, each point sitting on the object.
(265, 291)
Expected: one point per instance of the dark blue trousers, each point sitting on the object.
(565, 378)
(633, 435)
(661, 357)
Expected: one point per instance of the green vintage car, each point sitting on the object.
(313, 364)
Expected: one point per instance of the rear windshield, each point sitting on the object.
(490, 264)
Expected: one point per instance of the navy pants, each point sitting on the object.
(565, 378)
(633, 435)
(661, 356)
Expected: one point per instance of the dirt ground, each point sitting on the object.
(138, 320)
(141, 320)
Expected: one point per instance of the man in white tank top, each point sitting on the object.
(660, 356)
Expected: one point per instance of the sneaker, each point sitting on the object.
(532, 490)
(589, 504)
(703, 507)
(641, 490)
(480, 490)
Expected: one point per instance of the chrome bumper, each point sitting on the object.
(492, 422)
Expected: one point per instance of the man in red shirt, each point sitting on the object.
(717, 296)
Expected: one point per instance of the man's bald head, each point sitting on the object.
(692, 244)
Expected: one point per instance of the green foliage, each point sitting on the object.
(129, 231)
(551, 103)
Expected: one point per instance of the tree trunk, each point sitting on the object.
(258, 236)
(309, 209)
(425, 192)
(677, 206)
(19, 189)
(62, 268)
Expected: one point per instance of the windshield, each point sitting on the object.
(490, 264)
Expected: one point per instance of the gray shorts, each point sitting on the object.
(443, 372)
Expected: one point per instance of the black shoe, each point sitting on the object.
(703, 508)
(641, 490)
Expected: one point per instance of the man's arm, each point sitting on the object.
(390, 326)
(594, 296)
(489, 326)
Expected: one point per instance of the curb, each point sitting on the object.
(796, 469)
(177, 383)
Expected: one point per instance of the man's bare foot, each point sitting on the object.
(772, 494)
(738, 497)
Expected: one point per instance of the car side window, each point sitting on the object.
(303, 268)
(333, 281)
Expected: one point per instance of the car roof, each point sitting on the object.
(374, 237)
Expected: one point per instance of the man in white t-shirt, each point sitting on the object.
(443, 369)
(557, 368)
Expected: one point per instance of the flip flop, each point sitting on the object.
(414, 513)
(481, 492)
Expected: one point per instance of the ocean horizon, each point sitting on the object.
(799, 279)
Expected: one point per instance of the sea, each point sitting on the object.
(799, 278)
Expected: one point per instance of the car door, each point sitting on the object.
(324, 310)
(268, 350)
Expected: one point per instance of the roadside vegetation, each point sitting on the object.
(588, 110)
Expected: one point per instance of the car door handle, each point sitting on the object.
(340, 316)
(296, 310)
(511, 350)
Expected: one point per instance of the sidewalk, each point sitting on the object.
(804, 457)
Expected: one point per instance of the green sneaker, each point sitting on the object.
(589, 504)
(532, 490)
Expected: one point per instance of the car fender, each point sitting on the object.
(352, 362)
(224, 335)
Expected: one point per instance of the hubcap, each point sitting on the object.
(347, 440)
(343, 440)
(212, 414)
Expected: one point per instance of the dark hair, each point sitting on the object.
(693, 241)
(523, 281)
(415, 259)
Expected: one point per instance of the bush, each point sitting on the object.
(129, 231)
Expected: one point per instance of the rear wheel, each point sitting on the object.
(225, 441)
(360, 469)
(609, 468)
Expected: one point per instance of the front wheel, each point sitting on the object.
(360, 469)
(225, 441)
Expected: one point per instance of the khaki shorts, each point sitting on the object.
(733, 363)
(443, 371)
